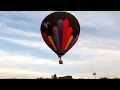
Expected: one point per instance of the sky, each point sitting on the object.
(24, 54)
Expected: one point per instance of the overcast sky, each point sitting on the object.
(24, 54)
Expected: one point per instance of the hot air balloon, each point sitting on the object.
(60, 31)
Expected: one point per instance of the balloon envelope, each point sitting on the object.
(60, 31)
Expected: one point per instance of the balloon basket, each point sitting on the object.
(60, 62)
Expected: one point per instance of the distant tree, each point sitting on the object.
(103, 78)
(68, 77)
(40, 78)
(116, 78)
(54, 76)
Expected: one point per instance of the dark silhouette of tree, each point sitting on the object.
(40, 78)
(65, 77)
(116, 78)
(103, 78)
(54, 76)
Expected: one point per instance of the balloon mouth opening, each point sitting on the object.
(60, 52)
(60, 62)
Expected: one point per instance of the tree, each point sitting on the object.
(54, 76)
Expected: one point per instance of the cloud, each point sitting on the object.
(17, 32)
(98, 19)
(22, 74)
(36, 14)
(96, 47)
(28, 43)
(93, 19)
(50, 67)
(19, 59)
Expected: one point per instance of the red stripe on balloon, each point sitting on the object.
(69, 32)
(65, 29)
(47, 40)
